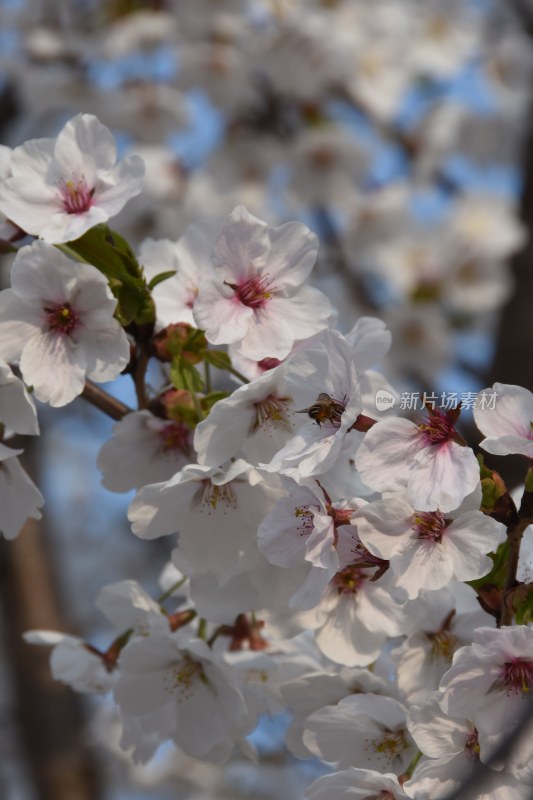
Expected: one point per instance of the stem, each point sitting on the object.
(169, 592)
(514, 537)
(237, 374)
(410, 769)
(138, 375)
(68, 251)
(104, 401)
(207, 377)
(202, 628)
(197, 407)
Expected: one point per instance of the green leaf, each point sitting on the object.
(213, 397)
(498, 573)
(162, 276)
(524, 605)
(186, 376)
(111, 254)
(218, 359)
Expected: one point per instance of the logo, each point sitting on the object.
(384, 400)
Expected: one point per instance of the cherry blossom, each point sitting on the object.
(427, 549)
(426, 459)
(143, 449)
(256, 421)
(58, 320)
(217, 512)
(355, 784)
(256, 300)
(490, 681)
(73, 663)
(59, 188)
(175, 685)
(362, 729)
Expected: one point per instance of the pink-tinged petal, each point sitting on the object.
(468, 539)
(507, 426)
(307, 312)
(104, 353)
(268, 335)
(382, 526)
(49, 363)
(18, 322)
(42, 274)
(370, 341)
(441, 476)
(30, 162)
(157, 510)
(28, 209)
(344, 638)
(384, 456)
(421, 564)
(223, 318)
(114, 190)
(292, 254)
(241, 247)
(83, 147)
(62, 227)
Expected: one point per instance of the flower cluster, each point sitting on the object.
(328, 557)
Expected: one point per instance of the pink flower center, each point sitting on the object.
(439, 428)
(175, 436)
(76, 195)
(385, 795)
(61, 319)
(517, 676)
(429, 525)
(348, 580)
(252, 292)
(272, 412)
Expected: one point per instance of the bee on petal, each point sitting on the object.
(325, 409)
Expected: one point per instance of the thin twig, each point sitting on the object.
(104, 401)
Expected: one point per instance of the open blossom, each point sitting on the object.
(508, 425)
(73, 663)
(426, 459)
(177, 687)
(324, 383)
(216, 511)
(427, 549)
(363, 729)
(143, 449)
(57, 319)
(256, 420)
(256, 300)
(190, 257)
(59, 188)
(491, 682)
(357, 784)
(306, 528)
(440, 622)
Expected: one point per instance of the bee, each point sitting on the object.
(325, 409)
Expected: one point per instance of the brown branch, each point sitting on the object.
(104, 401)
